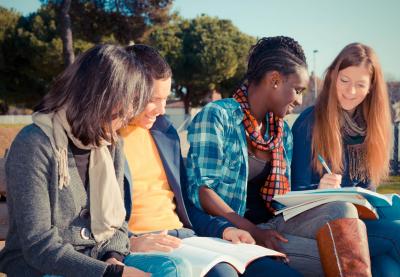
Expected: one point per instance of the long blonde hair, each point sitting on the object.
(327, 136)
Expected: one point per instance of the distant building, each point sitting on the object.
(394, 91)
(394, 94)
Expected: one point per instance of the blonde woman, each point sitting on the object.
(350, 128)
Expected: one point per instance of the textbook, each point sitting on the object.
(370, 205)
(203, 253)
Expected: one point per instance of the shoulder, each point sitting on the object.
(304, 121)
(31, 137)
(225, 110)
(30, 147)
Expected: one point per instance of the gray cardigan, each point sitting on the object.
(46, 234)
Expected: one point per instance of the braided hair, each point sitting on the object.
(280, 53)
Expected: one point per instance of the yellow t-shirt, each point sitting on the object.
(153, 206)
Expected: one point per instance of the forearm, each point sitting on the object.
(119, 243)
(213, 204)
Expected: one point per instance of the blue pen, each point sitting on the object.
(324, 164)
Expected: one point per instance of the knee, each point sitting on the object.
(163, 266)
(174, 266)
(222, 270)
(339, 209)
(265, 266)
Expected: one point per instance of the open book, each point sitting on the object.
(370, 205)
(203, 253)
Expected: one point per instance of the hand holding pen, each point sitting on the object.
(329, 180)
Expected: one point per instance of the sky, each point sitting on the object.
(323, 25)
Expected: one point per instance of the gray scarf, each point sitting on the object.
(354, 130)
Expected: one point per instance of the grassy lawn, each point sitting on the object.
(390, 186)
(11, 125)
(7, 134)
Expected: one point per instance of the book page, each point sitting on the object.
(375, 199)
(202, 260)
(291, 212)
(204, 252)
(242, 252)
(290, 200)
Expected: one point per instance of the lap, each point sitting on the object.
(309, 222)
(265, 266)
(303, 255)
(158, 264)
(384, 266)
(384, 237)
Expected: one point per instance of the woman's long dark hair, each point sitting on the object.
(105, 80)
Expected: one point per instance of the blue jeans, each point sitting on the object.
(159, 265)
(384, 246)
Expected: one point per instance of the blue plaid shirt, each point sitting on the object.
(218, 155)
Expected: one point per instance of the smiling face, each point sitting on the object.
(156, 106)
(288, 92)
(352, 86)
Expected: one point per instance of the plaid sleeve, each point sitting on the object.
(205, 156)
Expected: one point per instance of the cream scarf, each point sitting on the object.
(107, 209)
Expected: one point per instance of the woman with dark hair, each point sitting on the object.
(240, 154)
(156, 198)
(65, 173)
(350, 127)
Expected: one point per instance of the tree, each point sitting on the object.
(34, 57)
(8, 21)
(125, 20)
(202, 52)
(35, 43)
(66, 32)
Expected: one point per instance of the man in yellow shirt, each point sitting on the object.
(158, 210)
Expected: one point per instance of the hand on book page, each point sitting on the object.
(270, 238)
(161, 242)
(203, 253)
(236, 235)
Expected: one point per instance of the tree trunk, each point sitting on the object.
(186, 101)
(66, 33)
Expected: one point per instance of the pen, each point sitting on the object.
(324, 164)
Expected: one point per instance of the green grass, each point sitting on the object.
(392, 185)
(11, 125)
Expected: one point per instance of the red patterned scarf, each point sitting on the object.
(276, 182)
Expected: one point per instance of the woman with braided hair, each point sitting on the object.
(240, 155)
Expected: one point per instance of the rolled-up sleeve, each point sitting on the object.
(205, 157)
